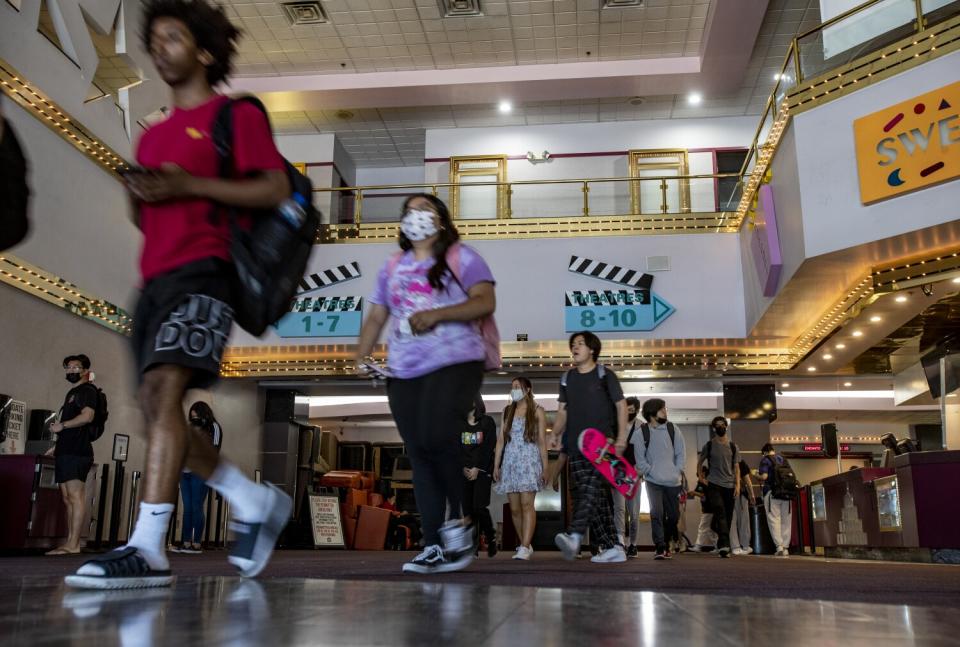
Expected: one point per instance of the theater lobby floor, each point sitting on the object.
(335, 598)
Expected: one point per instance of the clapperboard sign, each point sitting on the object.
(325, 521)
(324, 316)
(636, 309)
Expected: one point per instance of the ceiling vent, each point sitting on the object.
(621, 4)
(460, 8)
(304, 13)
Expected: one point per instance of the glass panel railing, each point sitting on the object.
(535, 200)
(855, 33)
(936, 10)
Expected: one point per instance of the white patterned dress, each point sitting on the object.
(521, 467)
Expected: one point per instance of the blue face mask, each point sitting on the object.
(516, 395)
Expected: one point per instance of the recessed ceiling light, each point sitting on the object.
(876, 318)
(857, 333)
(776, 77)
(694, 98)
(828, 356)
(848, 384)
(505, 107)
(951, 395)
(957, 280)
(840, 346)
(901, 299)
(812, 369)
(785, 384)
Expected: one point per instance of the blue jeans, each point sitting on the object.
(193, 491)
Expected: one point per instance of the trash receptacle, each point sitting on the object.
(760, 531)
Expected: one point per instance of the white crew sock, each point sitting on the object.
(150, 534)
(248, 500)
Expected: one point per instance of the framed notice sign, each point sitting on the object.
(325, 521)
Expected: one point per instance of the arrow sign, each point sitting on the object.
(629, 317)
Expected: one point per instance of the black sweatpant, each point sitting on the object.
(476, 503)
(431, 415)
(720, 501)
(664, 512)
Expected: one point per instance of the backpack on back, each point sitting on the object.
(271, 258)
(100, 415)
(645, 430)
(733, 454)
(784, 485)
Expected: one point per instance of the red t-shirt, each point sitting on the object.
(178, 232)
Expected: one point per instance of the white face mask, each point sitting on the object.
(418, 225)
(516, 395)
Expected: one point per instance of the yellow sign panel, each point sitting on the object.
(909, 146)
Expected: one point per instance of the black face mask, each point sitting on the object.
(73, 378)
(661, 421)
(720, 431)
(631, 417)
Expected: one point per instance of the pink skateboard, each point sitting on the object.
(621, 474)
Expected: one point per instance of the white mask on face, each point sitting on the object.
(516, 395)
(418, 225)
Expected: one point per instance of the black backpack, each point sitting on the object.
(645, 430)
(784, 485)
(100, 414)
(13, 187)
(271, 258)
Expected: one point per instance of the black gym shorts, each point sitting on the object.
(183, 318)
(72, 468)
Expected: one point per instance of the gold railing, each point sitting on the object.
(621, 211)
(807, 65)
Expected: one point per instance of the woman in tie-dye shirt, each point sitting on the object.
(431, 295)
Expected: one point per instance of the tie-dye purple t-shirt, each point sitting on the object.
(407, 291)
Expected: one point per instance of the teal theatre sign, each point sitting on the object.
(323, 317)
(615, 310)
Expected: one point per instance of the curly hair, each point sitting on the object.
(209, 26)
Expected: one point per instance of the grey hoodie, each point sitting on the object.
(660, 463)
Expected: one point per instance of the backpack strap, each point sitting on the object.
(645, 430)
(673, 434)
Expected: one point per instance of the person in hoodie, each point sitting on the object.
(660, 455)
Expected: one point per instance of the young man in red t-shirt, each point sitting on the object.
(184, 314)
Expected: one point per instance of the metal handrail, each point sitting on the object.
(585, 183)
(793, 59)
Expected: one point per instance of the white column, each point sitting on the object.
(953, 425)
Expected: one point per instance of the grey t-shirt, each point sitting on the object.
(721, 457)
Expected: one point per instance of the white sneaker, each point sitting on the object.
(524, 553)
(610, 556)
(747, 551)
(783, 552)
(569, 544)
(738, 551)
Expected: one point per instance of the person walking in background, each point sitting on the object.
(73, 450)
(478, 444)
(740, 527)
(626, 512)
(706, 538)
(779, 517)
(193, 489)
(590, 397)
(661, 453)
(432, 292)
(522, 445)
(723, 481)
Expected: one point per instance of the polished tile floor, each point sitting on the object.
(232, 612)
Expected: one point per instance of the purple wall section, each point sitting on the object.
(765, 242)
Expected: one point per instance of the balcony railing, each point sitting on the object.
(839, 42)
(649, 204)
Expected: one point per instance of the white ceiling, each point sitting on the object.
(513, 33)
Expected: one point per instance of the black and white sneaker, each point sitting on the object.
(124, 568)
(426, 562)
(459, 546)
(254, 543)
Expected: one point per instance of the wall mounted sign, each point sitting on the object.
(325, 521)
(328, 277)
(634, 310)
(121, 447)
(909, 146)
(818, 449)
(765, 242)
(323, 317)
(15, 441)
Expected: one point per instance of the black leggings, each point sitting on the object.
(431, 415)
(476, 503)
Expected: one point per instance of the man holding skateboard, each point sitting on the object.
(590, 397)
